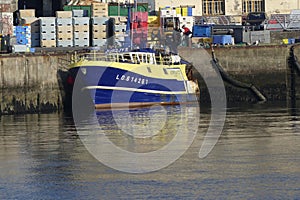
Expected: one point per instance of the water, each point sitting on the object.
(256, 157)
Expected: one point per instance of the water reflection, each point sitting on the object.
(141, 130)
(256, 157)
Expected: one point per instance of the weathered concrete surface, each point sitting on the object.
(29, 83)
(265, 67)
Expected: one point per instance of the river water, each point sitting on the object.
(256, 157)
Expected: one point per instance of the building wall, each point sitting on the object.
(281, 6)
(176, 3)
(233, 7)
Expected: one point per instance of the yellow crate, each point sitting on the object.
(27, 13)
(99, 14)
(98, 35)
(99, 6)
(285, 41)
(81, 28)
(64, 29)
(64, 36)
(48, 43)
(178, 10)
(153, 19)
(64, 14)
(99, 28)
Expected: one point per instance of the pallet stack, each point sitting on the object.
(100, 23)
(99, 9)
(28, 19)
(23, 36)
(48, 31)
(120, 29)
(64, 29)
(99, 31)
(81, 31)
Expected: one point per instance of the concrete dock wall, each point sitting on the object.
(265, 67)
(29, 83)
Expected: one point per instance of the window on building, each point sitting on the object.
(213, 7)
(253, 6)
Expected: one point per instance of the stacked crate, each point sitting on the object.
(34, 24)
(99, 31)
(81, 31)
(120, 25)
(187, 10)
(27, 13)
(64, 29)
(23, 36)
(48, 31)
(28, 19)
(99, 9)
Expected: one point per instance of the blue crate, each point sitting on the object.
(222, 39)
(190, 11)
(23, 36)
(291, 41)
(23, 41)
(201, 31)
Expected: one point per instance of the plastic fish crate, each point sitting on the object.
(81, 21)
(222, 39)
(201, 31)
(64, 21)
(99, 20)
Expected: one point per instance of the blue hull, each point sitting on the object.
(109, 85)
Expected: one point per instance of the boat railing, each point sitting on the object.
(132, 58)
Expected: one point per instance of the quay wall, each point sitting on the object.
(31, 82)
(266, 67)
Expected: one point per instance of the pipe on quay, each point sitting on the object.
(235, 82)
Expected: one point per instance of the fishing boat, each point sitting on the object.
(133, 78)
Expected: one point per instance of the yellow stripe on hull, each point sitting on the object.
(145, 69)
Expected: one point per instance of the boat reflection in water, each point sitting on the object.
(124, 139)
